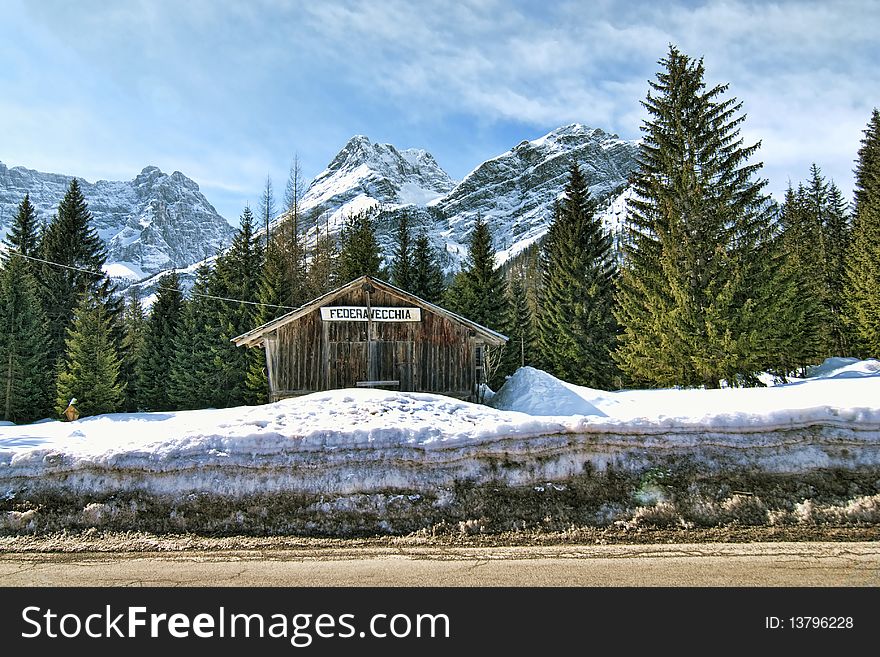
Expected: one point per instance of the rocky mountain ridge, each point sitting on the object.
(514, 192)
(149, 224)
(158, 221)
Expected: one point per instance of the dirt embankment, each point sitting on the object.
(611, 506)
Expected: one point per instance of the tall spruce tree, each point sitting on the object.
(520, 328)
(479, 293)
(195, 377)
(134, 324)
(26, 382)
(786, 332)
(276, 298)
(154, 366)
(283, 283)
(863, 262)
(322, 274)
(402, 274)
(427, 275)
(23, 235)
(804, 248)
(90, 370)
(816, 231)
(291, 243)
(274, 286)
(695, 300)
(837, 236)
(71, 242)
(577, 330)
(359, 253)
(237, 277)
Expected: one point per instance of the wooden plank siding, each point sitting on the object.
(307, 354)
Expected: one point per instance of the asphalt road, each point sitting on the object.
(700, 564)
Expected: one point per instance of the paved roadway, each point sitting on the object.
(702, 564)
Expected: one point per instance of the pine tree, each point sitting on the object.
(238, 269)
(427, 275)
(402, 274)
(158, 346)
(25, 370)
(23, 235)
(274, 296)
(90, 370)
(283, 284)
(237, 276)
(695, 302)
(804, 248)
(837, 236)
(479, 293)
(267, 208)
(520, 329)
(577, 329)
(322, 274)
(292, 252)
(359, 253)
(863, 262)
(194, 379)
(134, 324)
(70, 241)
(274, 286)
(293, 191)
(784, 335)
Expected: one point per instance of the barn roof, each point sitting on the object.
(255, 336)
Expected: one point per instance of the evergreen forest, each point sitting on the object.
(711, 282)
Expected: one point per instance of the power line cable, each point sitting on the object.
(159, 287)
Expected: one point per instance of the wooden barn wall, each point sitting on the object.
(433, 355)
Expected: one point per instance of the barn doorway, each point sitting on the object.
(353, 364)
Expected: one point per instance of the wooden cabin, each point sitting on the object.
(369, 333)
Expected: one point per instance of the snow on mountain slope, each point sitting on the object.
(514, 191)
(364, 174)
(158, 221)
(154, 222)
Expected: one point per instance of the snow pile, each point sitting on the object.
(844, 368)
(537, 393)
(847, 392)
(366, 442)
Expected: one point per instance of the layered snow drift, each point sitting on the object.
(348, 442)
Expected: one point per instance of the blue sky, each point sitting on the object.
(228, 92)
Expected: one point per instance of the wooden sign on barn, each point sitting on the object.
(369, 333)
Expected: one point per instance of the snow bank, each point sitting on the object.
(825, 398)
(844, 368)
(362, 452)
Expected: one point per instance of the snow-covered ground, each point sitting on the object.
(347, 442)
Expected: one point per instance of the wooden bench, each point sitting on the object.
(377, 384)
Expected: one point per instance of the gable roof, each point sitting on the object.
(255, 336)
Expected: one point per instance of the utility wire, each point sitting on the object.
(159, 287)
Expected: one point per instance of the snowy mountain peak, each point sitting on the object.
(365, 174)
(515, 191)
(151, 223)
(356, 149)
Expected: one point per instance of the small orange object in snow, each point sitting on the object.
(70, 412)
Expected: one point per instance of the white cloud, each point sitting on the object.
(802, 70)
(224, 92)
